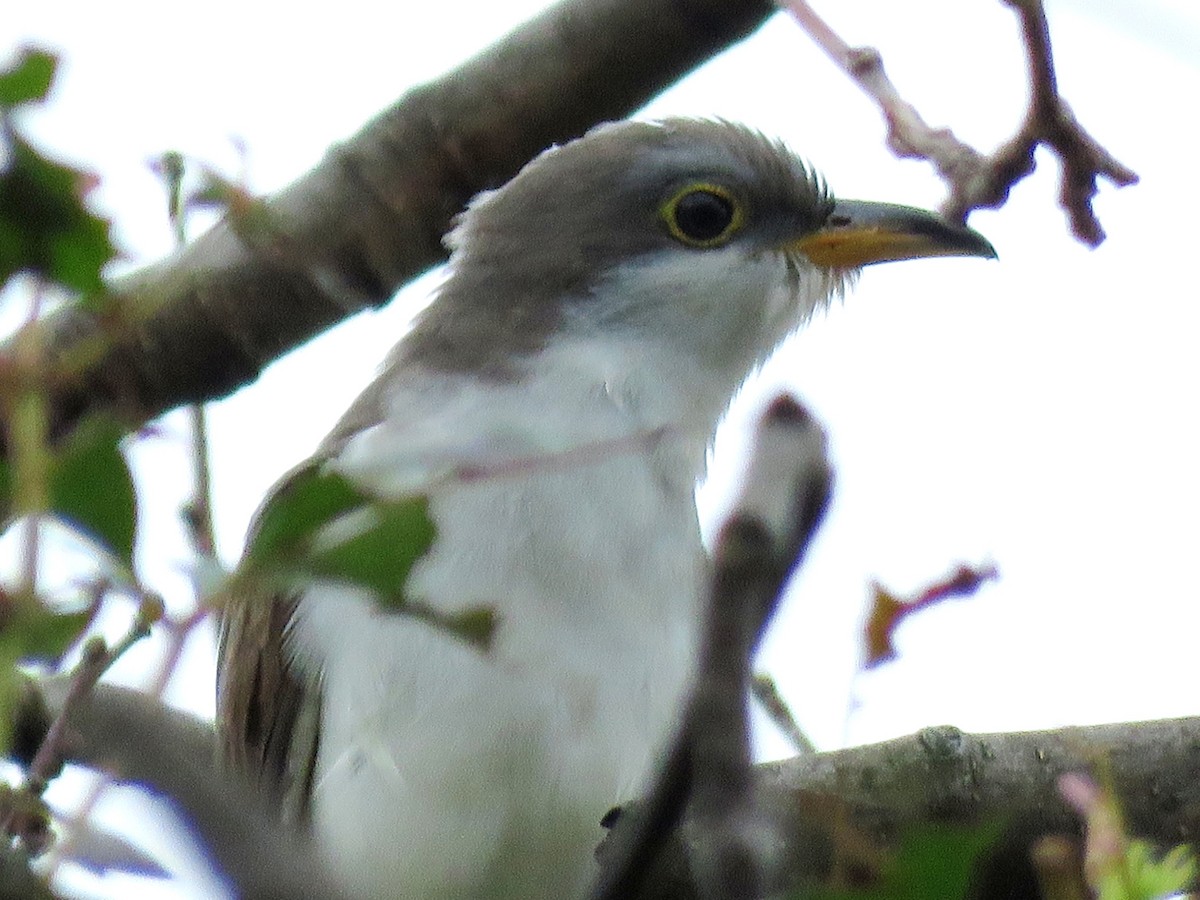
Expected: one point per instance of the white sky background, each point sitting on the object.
(1036, 412)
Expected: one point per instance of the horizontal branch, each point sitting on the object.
(839, 808)
(855, 802)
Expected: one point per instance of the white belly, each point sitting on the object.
(447, 772)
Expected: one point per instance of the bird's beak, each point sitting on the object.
(858, 233)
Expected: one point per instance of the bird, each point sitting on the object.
(554, 406)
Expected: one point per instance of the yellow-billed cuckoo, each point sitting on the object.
(600, 312)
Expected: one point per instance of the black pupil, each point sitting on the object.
(703, 215)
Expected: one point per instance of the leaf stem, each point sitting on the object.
(28, 430)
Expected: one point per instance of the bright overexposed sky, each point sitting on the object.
(1036, 413)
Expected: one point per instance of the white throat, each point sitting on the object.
(469, 774)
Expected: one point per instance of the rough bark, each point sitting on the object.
(371, 216)
(842, 808)
(842, 811)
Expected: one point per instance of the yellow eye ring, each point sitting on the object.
(702, 215)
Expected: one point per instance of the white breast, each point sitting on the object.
(446, 772)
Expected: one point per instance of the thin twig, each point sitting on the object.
(730, 841)
(197, 514)
(764, 689)
(1051, 122)
(908, 135)
(784, 498)
(46, 762)
(568, 458)
(977, 181)
(171, 168)
(52, 751)
(178, 632)
(96, 660)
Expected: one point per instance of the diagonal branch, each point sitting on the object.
(136, 738)
(371, 216)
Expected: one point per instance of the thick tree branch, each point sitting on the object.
(372, 215)
(844, 810)
(838, 809)
(942, 775)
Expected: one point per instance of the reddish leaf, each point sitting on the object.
(889, 610)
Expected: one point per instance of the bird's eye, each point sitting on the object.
(702, 215)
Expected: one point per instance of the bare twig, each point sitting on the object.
(178, 632)
(198, 512)
(138, 739)
(566, 458)
(784, 499)
(96, 660)
(908, 135)
(47, 762)
(171, 168)
(97, 657)
(1049, 121)
(764, 689)
(32, 830)
(975, 180)
(730, 833)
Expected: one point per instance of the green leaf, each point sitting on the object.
(92, 490)
(29, 78)
(319, 526)
(390, 538)
(475, 626)
(45, 228)
(931, 861)
(938, 861)
(11, 680)
(48, 635)
(305, 502)
(1139, 873)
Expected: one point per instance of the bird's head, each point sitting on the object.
(698, 238)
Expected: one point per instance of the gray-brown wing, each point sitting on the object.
(268, 715)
